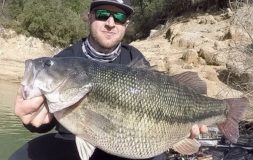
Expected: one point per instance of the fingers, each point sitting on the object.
(37, 118)
(24, 107)
(26, 119)
(48, 118)
(32, 111)
(196, 130)
(203, 129)
(42, 116)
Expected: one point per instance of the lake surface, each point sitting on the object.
(12, 133)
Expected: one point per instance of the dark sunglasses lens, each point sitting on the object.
(102, 15)
(105, 14)
(120, 17)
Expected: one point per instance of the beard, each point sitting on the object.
(105, 42)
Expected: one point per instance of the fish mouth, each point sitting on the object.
(37, 89)
(29, 92)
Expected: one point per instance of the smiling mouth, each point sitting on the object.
(109, 33)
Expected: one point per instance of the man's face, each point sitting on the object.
(107, 33)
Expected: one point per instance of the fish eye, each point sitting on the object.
(48, 63)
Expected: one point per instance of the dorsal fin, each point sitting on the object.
(191, 80)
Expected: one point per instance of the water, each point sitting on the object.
(12, 133)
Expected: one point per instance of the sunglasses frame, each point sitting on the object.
(111, 14)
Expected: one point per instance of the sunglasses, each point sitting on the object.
(103, 15)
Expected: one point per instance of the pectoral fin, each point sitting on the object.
(187, 146)
(84, 148)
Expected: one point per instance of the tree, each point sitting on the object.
(2, 8)
(14, 7)
(51, 21)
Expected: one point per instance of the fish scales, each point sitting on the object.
(149, 99)
(151, 93)
(126, 111)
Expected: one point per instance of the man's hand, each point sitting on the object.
(32, 111)
(196, 130)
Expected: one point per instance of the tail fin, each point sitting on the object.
(236, 109)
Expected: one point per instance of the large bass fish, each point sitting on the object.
(127, 111)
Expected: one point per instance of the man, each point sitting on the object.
(108, 20)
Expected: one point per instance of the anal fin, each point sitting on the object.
(187, 146)
(84, 148)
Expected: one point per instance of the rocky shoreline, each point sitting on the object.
(15, 49)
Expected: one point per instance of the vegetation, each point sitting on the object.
(60, 22)
(57, 22)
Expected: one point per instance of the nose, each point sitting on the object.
(110, 22)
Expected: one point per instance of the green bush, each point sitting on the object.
(13, 8)
(57, 22)
(51, 21)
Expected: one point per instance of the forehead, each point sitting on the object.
(110, 8)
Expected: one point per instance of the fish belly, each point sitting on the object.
(124, 135)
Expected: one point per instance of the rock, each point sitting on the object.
(212, 76)
(187, 40)
(208, 54)
(220, 45)
(207, 20)
(191, 57)
(229, 13)
(15, 49)
(153, 32)
(219, 35)
(201, 61)
(237, 34)
(7, 33)
(173, 31)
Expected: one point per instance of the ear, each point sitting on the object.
(127, 23)
(86, 17)
(89, 18)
